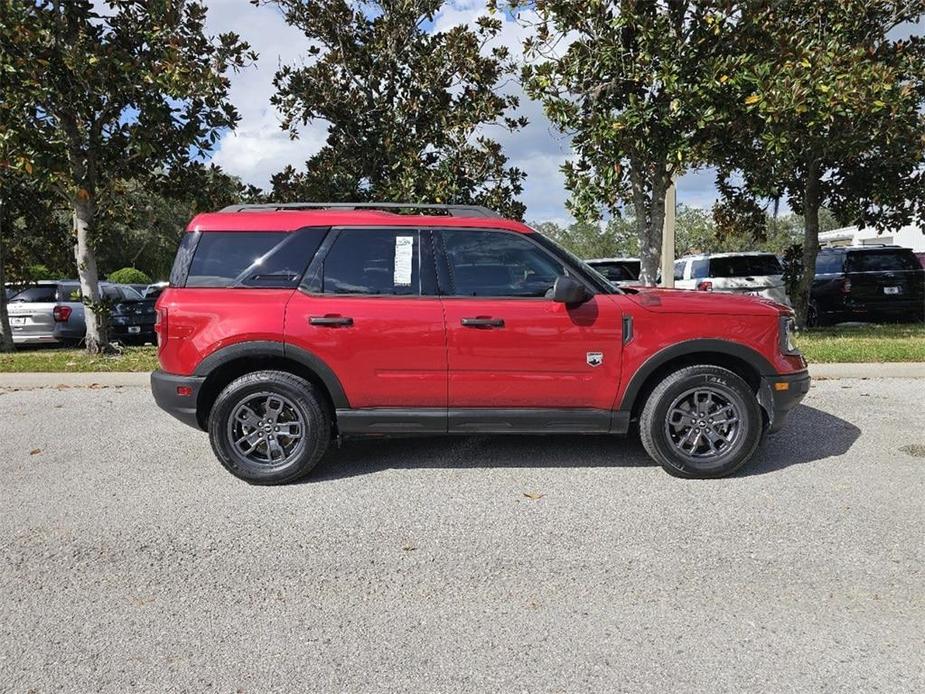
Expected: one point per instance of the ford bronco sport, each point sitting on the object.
(287, 326)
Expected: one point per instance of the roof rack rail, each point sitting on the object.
(451, 210)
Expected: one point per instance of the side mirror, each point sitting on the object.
(568, 291)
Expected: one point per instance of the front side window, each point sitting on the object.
(498, 264)
(374, 262)
(269, 259)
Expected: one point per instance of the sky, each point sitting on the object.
(258, 147)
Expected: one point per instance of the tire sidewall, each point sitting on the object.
(302, 396)
(732, 387)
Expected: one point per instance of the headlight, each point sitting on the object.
(787, 327)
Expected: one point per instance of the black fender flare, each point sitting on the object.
(698, 346)
(268, 348)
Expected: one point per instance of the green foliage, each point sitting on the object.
(38, 272)
(629, 88)
(129, 275)
(821, 107)
(407, 108)
(94, 96)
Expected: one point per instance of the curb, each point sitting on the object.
(93, 379)
(121, 379)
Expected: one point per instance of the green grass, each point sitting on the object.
(863, 343)
(58, 360)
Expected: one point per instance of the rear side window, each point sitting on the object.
(44, 294)
(252, 259)
(679, 269)
(882, 261)
(829, 263)
(700, 269)
(374, 262)
(745, 266)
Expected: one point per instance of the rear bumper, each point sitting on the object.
(779, 394)
(164, 388)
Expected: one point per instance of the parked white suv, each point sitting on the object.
(760, 274)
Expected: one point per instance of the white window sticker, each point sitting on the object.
(404, 250)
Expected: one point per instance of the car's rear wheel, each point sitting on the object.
(701, 422)
(269, 427)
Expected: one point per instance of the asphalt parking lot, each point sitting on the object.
(132, 561)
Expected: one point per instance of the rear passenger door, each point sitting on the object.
(368, 308)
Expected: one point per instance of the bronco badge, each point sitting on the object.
(595, 358)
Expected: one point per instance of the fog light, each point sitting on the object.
(184, 391)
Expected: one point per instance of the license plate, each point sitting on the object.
(17, 321)
(892, 290)
(134, 329)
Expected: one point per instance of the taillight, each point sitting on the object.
(160, 325)
(705, 286)
(62, 313)
(846, 286)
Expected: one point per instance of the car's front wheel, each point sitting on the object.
(701, 422)
(269, 427)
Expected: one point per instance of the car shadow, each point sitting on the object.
(809, 435)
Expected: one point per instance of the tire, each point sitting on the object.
(279, 401)
(717, 450)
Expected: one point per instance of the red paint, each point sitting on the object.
(414, 351)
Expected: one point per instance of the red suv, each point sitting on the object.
(285, 326)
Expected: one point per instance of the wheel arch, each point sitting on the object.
(224, 365)
(744, 361)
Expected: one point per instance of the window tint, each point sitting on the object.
(700, 269)
(616, 272)
(495, 263)
(829, 263)
(883, 261)
(745, 266)
(42, 294)
(374, 261)
(252, 259)
(679, 269)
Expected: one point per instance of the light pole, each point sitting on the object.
(671, 204)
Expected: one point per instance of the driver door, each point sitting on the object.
(508, 346)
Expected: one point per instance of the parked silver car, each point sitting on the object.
(52, 312)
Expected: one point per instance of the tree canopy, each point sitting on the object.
(94, 95)
(822, 108)
(409, 109)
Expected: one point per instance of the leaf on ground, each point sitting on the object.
(62, 386)
(535, 496)
(35, 451)
(408, 548)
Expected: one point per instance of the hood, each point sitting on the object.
(710, 303)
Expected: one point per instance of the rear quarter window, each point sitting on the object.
(745, 266)
(266, 259)
(36, 295)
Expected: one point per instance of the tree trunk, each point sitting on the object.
(650, 220)
(97, 339)
(6, 333)
(810, 242)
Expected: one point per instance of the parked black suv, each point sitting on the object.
(869, 283)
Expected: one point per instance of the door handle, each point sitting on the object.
(330, 321)
(482, 322)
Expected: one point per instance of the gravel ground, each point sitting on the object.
(132, 561)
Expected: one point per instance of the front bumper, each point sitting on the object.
(779, 394)
(164, 387)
